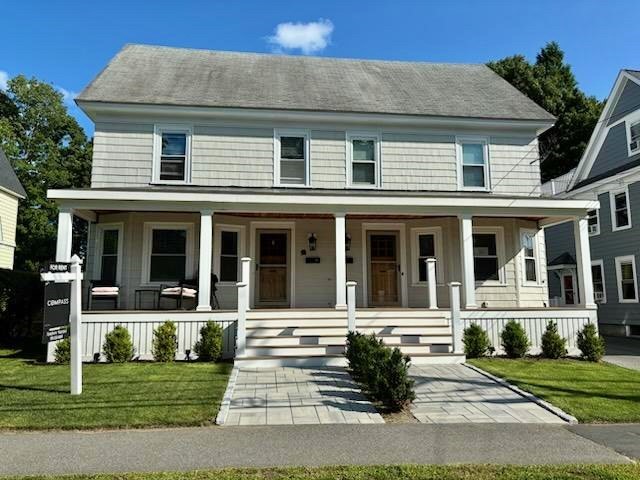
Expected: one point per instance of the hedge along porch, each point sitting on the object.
(304, 248)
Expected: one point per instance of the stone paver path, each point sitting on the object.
(458, 394)
(290, 395)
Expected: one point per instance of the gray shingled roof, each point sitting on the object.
(142, 74)
(8, 178)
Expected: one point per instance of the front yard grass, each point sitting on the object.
(401, 472)
(592, 392)
(36, 396)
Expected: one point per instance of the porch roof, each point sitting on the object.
(274, 200)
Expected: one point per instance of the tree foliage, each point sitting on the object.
(550, 83)
(48, 149)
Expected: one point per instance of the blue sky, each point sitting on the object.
(68, 42)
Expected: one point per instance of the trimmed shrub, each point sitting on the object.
(165, 342)
(62, 353)
(591, 344)
(118, 347)
(383, 372)
(514, 340)
(209, 347)
(476, 341)
(553, 345)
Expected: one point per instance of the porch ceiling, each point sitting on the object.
(322, 203)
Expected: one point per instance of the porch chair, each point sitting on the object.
(104, 289)
(185, 289)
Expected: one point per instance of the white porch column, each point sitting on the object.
(341, 262)
(431, 283)
(204, 271)
(65, 234)
(583, 261)
(468, 274)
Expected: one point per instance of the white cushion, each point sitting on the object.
(186, 292)
(189, 292)
(105, 290)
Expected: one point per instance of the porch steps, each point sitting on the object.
(318, 337)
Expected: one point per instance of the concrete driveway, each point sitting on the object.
(623, 351)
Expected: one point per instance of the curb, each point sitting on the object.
(570, 419)
(221, 418)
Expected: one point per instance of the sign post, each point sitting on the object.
(63, 305)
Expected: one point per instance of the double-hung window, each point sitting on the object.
(473, 163)
(228, 241)
(109, 252)
(426, 243)
(633, 134)
(620, 210)
(168, 253)
(597, 274)
(627, 280)
(530, 256)
(172, 154)
(593, 218)
(364, 156)
(291, 166)
(486, 260)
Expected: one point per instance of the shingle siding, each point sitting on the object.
(629, 101)
(613, 153)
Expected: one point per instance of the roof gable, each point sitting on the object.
(152, 75)
(8, 178)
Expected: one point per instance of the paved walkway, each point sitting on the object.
(458, 394)
(623, 351)
(288, 395)
(303, 445)
(623, 438)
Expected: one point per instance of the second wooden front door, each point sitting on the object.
(273, 268)
(383, 269)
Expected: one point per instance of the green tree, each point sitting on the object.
(550, 83)
(48, 149)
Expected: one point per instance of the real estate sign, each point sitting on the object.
(57, 306)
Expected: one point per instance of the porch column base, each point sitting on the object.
(341, 306)
(203, 308)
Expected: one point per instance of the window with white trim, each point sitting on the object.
(291, 158)
(593, 220)
(627, 280)
(168, 252)
(634, 137)
(364, 160)
(228, 249)
(529, 246)
(620, 210)
(109, 254)
(486, 260)
(473, 161)
(172, 154)
(597, 274)
(426, 243)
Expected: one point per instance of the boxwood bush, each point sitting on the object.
(553, 345)
(209, 347)
(118, 347)
(165, 342)
(476, 341)
(591, 344)
(382, 371)
(62, 353)
(514, 340)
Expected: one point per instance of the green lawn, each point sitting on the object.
(404, 472)
(592, 392)
(36, 396)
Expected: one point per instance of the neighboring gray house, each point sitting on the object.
(610, 172)
(320, 171)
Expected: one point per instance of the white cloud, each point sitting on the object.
(4, 79)
(307, 37)
(67, 95)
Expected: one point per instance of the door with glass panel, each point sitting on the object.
(383, 269)
(272, 286)
(568, 289)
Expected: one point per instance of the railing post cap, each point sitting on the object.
(241, 284)
(454, 284)
(430, 260)
(76, 260)
(245, 259)
(352, 283)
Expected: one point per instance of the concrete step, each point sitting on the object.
(257, 340)
(253, 330)
(360, 313)
(336, 360)
(361, 323)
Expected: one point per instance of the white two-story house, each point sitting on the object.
(317, 171)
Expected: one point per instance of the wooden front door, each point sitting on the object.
(383, 269)
(568, 289)
(273, 278)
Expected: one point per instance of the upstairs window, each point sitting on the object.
(620, 211)
(473, 161)
(172, 163)
(634, 137)
(364, 160)
(593, 218)
(529, 253)
(291, 158)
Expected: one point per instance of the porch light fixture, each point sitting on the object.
(347, 242)
(312, 240)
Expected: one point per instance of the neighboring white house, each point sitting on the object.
(321, 171)
(11, 192)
